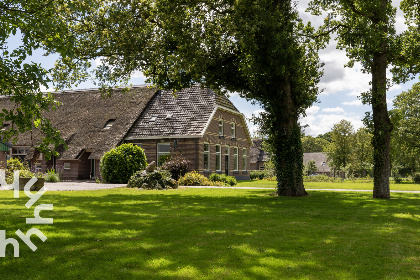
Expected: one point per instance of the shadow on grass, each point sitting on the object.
(218, 234)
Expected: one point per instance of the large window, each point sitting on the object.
(221, 127)
(235, 159)
(233, 130)
(218, 158)
(206, 157)
(163, 152)
(20, 152)
(244, 159)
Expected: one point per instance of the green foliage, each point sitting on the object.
(313, 145)
(339, 151)
(311, 167)
(163, 159)
(159, 179)
(52, 176)
(257, 175)
(260, 49)
(15, 164)
(120, 163)
(193, 178)
(416, 178)
(177, 166)
(397, 179)
(228, 180)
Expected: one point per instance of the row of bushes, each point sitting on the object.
(14, 164)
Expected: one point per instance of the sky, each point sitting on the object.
(341, 86)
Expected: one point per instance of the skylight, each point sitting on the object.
(153, 118)
(109, 124)
(168, 116)
(5, 126)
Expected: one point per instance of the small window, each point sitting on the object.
(220, 127)
(109, 124)
(218, 158)
(206, 157)
(235, 159)
(5, 126)
(66, 165)
(153, 119)
(233, 130)
(163, 152)
(168, 117)
(244, 159)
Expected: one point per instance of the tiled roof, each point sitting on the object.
(185, 114)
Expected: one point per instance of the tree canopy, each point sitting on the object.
(366, 30)
(254, 48)
(38, 26)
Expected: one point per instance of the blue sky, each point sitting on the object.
(342, 86)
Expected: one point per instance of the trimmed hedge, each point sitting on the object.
(228, 180)
(120, 163)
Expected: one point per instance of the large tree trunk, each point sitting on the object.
(288, 158)
(382, 127)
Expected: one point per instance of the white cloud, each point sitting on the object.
(357, 102)
(312, 110)
(333, 110)
(323, 123)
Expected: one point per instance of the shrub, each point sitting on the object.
(120, 163)
(51, 176)
(177, 166)
(194, 179)
(416, 178)
(257, 175)
(158, 179)
(397, 178)
(228, 180)
(14, 164)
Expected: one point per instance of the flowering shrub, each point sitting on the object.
(177, 166)
(194, 179)
(158, 179)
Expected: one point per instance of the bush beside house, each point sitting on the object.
(120, 163)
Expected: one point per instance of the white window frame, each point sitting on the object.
(233, 130)
(235, 159)
(66, 166)
(206, 152)
(221, 127)
(218, 158)
(162, 153)
(244, 154)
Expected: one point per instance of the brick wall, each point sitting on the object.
(3, 158)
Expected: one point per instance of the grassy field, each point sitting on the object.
(328, 185)
(215, 234)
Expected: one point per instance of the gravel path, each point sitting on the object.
(80, 186)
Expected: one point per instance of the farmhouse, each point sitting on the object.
(196, 123)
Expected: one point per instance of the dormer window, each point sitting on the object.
(168, 117)
(109, 124)
(153, 118)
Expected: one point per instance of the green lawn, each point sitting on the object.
(216, 234)
(328, 185)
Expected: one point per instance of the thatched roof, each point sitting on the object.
(183, 115)
(83, 114)
(320, 160)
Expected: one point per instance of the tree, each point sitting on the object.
(241, 46)
(366, 30)
(339, 151)
(313, 145)
(36, 25)
(362, 156)
(406, 119)
(311, 167)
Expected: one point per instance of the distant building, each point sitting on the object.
(321, 163)
(198, 124)
(258, 155)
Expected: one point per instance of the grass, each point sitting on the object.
(216, 234)
(329, 185)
